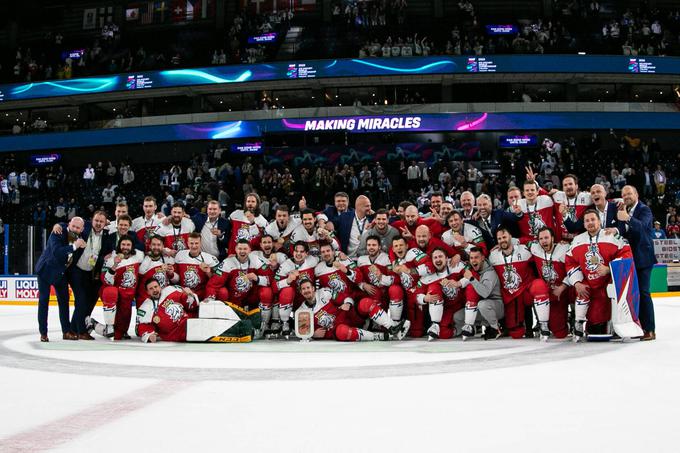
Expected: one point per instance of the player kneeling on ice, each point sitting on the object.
(335, 319)
(169, 314)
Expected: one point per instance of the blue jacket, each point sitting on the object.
(87, 229)
(611, 221)
(639, 235)
(53, 262)
(343, 227)
(498, 218)
(222, 224)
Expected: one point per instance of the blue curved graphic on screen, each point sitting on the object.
(194, 74)
(90, 85)
(332, 64)
(418, 69)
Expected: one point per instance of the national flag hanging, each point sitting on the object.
(146, 13)
(189, 10)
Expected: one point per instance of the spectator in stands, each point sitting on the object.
(660, 180)
(658, 232)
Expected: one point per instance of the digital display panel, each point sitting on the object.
(247, 148)
(509, 64)
(263, 39)
(501, 30)
(44, 159)
(518, 141)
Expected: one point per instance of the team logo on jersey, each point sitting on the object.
(511, 279)
(243, 233)
(191, 278)
(324, 319)
(161, 277)
(571, 213)
(129, 279)
(336, 283)
(178, 244)
(406, 280)
(548, 272)
(449, 292)
(535, 223)
(174, 310)
(242, 282)
(373, 278)
(593, 259)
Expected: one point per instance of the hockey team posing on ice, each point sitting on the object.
(537, 269)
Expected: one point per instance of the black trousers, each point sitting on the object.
(85, 286)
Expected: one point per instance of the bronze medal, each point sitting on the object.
(156, 319)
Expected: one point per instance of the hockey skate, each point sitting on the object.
(285, 331)
(274, 331)
(433, 332)
(400, 329)
(491, 334)
(467, 332)
(101, 329)
(579, 331)
(544, 332)
(381, 336)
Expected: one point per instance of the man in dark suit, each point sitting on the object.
(635, 224)
(84, 274)
(340, 206)
(606, 210)
(215, 230)
(350, 225)
(489, 220)
(51, 269)
(123, 224)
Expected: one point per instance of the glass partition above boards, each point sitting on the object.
(588, 64)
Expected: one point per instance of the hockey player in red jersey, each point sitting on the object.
(156, 265)
(337, 273)
(412, 220)
(513, 264)
(175, 230)
(538, 212)
(410, 265)
(462, 236)
(442, 295)
(247, 223)
(119, 278)
(286, 283)
(588, 271)
(242, 279)
(427, 244)
(340, 320)
(194, 266)
(570, 204)
(145, 226)
(281, 228)
(549, 257)
(375, 272)
(309, 232)
(164, 314)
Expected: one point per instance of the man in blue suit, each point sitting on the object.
(215, 230)
(607, 210)
(340, 206)
(350, 225)
(635, 224)
(51, 268)
(489, 220)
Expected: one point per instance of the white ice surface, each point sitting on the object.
(625, 399)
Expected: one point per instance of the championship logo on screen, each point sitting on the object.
(174, 310)
(511, 279)
(191, 278)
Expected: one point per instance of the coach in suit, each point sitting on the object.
(340, 206)
(215, 230)
(84, 275)
(489, 220)
(635, 224)
(607, 210)
(350, 225)
(51, 269)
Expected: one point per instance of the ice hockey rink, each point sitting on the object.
(506, 395)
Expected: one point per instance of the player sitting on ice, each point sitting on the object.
(335, 319)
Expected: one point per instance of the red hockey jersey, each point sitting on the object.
(588, 252)
(242, 228)
(535, 217)
(189, 270)
(232, 274)
(126, 274)
(514, 270)
(176, 237)
(151, 268)
(145, 228)
(575, 208)
(166, 316)
(550, 265)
